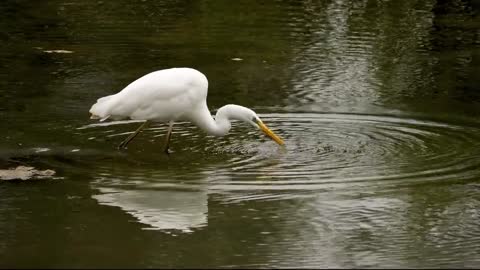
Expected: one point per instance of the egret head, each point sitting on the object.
(246, 115)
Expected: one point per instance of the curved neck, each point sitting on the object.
(221, 125)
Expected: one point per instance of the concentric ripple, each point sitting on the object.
(323, 152)
(331, 151)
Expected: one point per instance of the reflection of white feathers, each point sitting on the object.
(162, 210)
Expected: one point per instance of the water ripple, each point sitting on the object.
(324, 152)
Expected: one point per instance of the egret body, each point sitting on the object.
(169, 95)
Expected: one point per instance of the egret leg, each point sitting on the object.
(124, 143)
(167, 138)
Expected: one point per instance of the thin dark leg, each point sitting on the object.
(125, 142)
(167, 138)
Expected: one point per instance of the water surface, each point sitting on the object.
(377, 103)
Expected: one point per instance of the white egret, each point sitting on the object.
(171, 95)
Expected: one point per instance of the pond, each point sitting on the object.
(377, 101)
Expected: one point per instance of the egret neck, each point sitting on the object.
(221, 124)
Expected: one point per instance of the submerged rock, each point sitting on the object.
(25, 173)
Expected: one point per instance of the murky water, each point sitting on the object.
(378, 104)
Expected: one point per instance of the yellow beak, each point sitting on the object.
(270, 133)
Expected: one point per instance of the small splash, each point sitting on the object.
(57, 51)
(41, 149)
(53, 51)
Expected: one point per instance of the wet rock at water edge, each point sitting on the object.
(25, 173)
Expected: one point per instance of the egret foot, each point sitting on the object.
(167, 151)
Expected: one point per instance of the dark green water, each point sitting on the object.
(378, 102)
